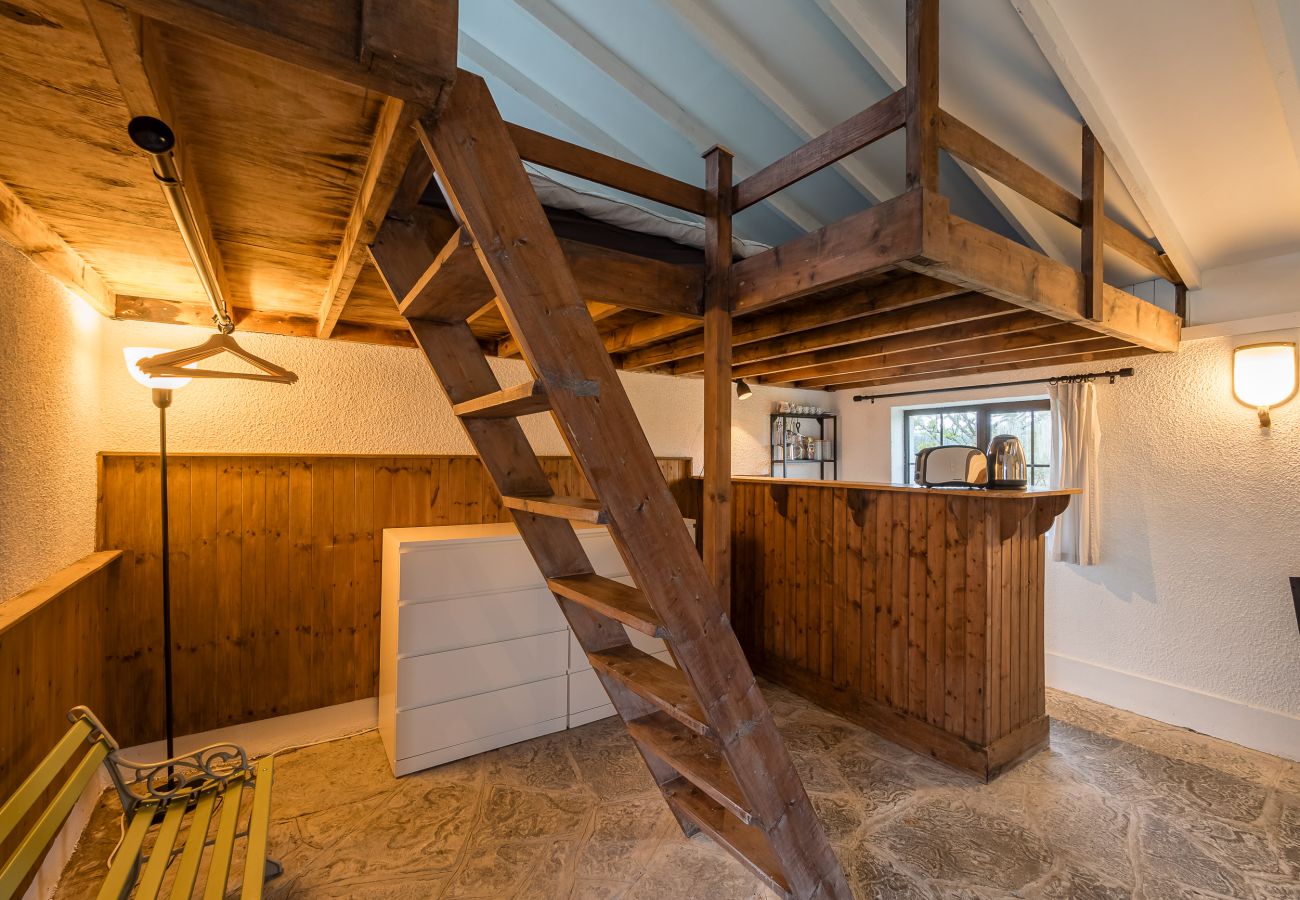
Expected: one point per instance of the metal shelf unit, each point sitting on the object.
(781, 423)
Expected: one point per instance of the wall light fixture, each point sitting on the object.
(1264, 376)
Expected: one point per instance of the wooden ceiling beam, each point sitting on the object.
(508, 347)
(1091, 356)
(27, 232)
(1049, 350)
(1014, 330)
(649, 331)
(908, 290)
(954, 310)
(395, 140)
(400, 48)
(143, 309)
(135, 55)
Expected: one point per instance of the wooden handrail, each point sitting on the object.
(50, 589)
(968, 145)
(562, 156)
(850, 136)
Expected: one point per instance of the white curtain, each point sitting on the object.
(1076, 447)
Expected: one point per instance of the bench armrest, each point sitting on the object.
(138, 782)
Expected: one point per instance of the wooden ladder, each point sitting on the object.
(703, 728)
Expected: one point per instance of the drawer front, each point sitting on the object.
(489, 566)
(578, 661)
(586, 692)
(439, 677)
(471, 718)
(466, 621)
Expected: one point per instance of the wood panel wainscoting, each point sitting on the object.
(918, 613)
(275, 564)
(53, 648)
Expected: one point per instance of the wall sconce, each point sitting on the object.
(743, 391)
(1264, 376)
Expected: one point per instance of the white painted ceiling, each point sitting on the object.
(1195, 101)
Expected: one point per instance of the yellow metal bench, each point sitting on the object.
(188, 793)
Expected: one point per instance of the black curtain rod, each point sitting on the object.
(1091, 376)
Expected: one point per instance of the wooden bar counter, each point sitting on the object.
(917, 612)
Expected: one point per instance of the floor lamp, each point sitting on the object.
(162, 398)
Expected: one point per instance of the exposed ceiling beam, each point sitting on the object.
(135, 55)
(591, 134)
(1067, 61)
(885, 54)
(1093, 356)
(692, 129)
(394, 141)
(1282, 65)
(737, 54)
(27, 232)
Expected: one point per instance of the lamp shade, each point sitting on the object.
(133, 356)
(1264, 375)
(743, 391)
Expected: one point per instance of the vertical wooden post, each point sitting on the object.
(1180, 302)
(1093, 219)
(717, 372)
(922, 94)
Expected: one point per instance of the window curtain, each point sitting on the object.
(1076, 448)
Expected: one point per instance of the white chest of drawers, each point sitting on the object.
(474, 652)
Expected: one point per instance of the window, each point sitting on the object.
(975, 426)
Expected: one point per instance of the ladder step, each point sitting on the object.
(610, 598)
(520, 400)
(576, 509)
(656, 681)
(745, 842)
(698, 759)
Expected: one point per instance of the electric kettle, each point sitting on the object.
(1007, 468)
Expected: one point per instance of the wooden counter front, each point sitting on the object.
(917, 612)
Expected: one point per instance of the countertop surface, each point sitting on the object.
(1029, 493)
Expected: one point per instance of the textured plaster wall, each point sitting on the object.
(68, 395)
(1200, 529)
(48, 415)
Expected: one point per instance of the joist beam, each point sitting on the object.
(391, 148)
(908, 290)
(1092, 356)
(188, 312)
(968, 308)
(1045, 351)
(983, 261)
(27, 232)
(648, 331)
(401, 48)
(135, 55)
(1016, 329)
(455, 286)
(508, 347)
(867, 242)
(1066, 59)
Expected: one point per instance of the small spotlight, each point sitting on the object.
(743, 391)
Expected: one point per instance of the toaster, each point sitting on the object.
(952, 466)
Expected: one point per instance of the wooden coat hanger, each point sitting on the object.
(172, 364)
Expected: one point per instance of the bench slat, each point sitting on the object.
(120, 877)
(29, 852)
(161, 854)
(258, 828)
(29, 792)
(219, 869)
(188, 870)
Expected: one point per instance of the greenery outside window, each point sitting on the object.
(976, 425)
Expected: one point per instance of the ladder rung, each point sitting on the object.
(745, 842)
(453, 286)
(698, 759)
(520, 400)
(656, 681)
(577, 509)
(610, 598)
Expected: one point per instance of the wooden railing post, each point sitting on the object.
(922, 94)
(1092, 218)
(717, 372)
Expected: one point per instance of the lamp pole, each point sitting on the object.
(162, 398)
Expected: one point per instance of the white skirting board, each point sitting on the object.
(1266, 730)
(257, 738)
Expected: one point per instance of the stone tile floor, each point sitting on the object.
(1120, 806)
